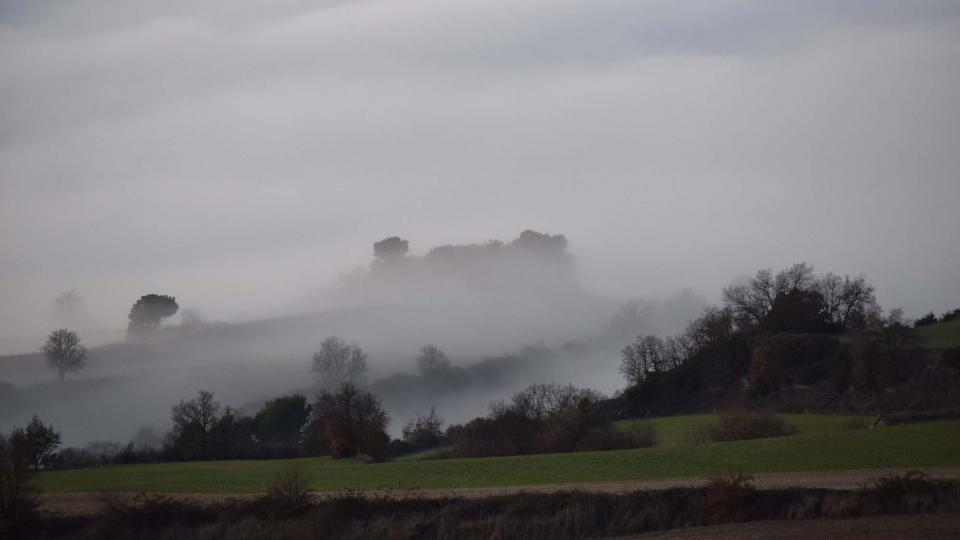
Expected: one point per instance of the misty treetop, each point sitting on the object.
(338, 362)
(391, 249)
(534, 266)
(148, 311)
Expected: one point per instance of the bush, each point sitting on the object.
(911, 492)
(423, 432)
(742, 425)
(724, 499)
(289, 493)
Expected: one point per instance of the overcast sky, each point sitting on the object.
(239, 153)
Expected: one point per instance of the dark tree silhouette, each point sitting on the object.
(41, 441)
(64, 352)
(19, 498)
(797, 311)
(347, 423)
(279, 421)
(539, 242)
(390, 249)
(751, 302)
(146, 314)
(202, 428)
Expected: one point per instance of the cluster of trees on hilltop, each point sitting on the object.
(778, 331)
(798, 300)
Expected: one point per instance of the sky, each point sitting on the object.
(239, 154)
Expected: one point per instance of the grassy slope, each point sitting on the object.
(823, 446)
(940, 335)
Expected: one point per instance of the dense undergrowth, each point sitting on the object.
(350, 515)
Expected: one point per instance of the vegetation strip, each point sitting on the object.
(930, 444)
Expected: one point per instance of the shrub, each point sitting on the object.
(724, 499)
(742, 425)
(423, 431)
(289, 493)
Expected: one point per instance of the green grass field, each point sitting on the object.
(822, 444)
(940, 335)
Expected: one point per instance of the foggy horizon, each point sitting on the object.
(242, 155)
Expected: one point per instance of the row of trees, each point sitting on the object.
(542, 418)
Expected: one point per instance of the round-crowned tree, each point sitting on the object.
(146, 314)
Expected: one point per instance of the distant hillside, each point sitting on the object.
(942, 335)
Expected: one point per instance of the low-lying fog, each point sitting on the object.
(508, 313)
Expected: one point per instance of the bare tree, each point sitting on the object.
(894, 332)
(715, 325)
(539, 401)
(64, 352)
(645, 355)
(676, 350)
(337, 363)
(751, 302)
(195, 425)
(848, 302)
